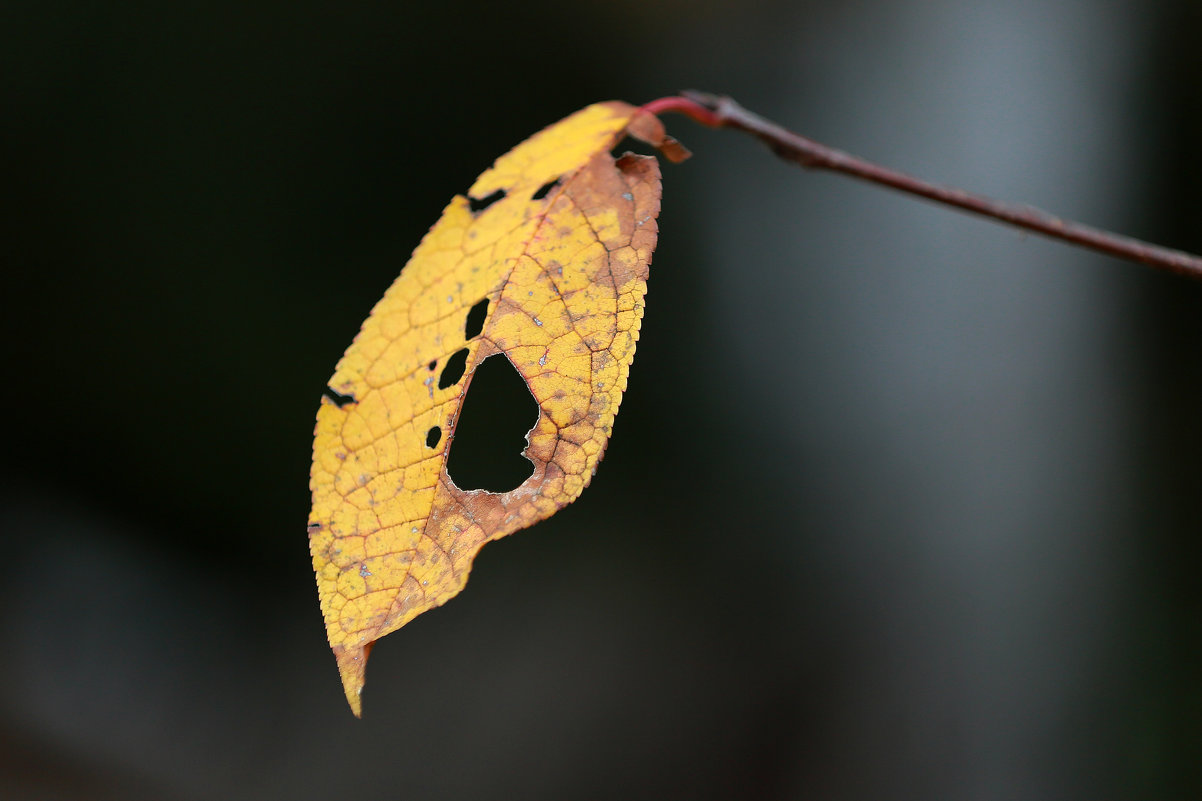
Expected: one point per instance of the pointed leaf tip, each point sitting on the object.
(352, 666)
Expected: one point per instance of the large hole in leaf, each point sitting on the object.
(480, 204)
(490, 434)
(452, 371)
(475, 320)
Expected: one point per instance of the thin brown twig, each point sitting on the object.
(716, 111)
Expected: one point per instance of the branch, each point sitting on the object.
(722, 112)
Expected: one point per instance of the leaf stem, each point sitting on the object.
(716, 111)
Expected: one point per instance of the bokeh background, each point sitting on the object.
(900, 504)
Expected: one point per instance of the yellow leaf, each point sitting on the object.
(561, 271)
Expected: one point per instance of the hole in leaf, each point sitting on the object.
(475, 320)
(433, 436)
(339, 399)
(452, 371)
(478, 205)
(542, 191)
(433, 363)
(629, 144)
(490, 434)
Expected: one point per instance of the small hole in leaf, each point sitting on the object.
(478, 205)
(629, 145)
(490, 433)
(339, 399)
(452, 371)
(433, 363)
(475, 320)
(433, 436)
(542, 191)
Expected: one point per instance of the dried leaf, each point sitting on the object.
(557, 254)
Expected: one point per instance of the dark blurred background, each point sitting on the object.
(900, 504)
